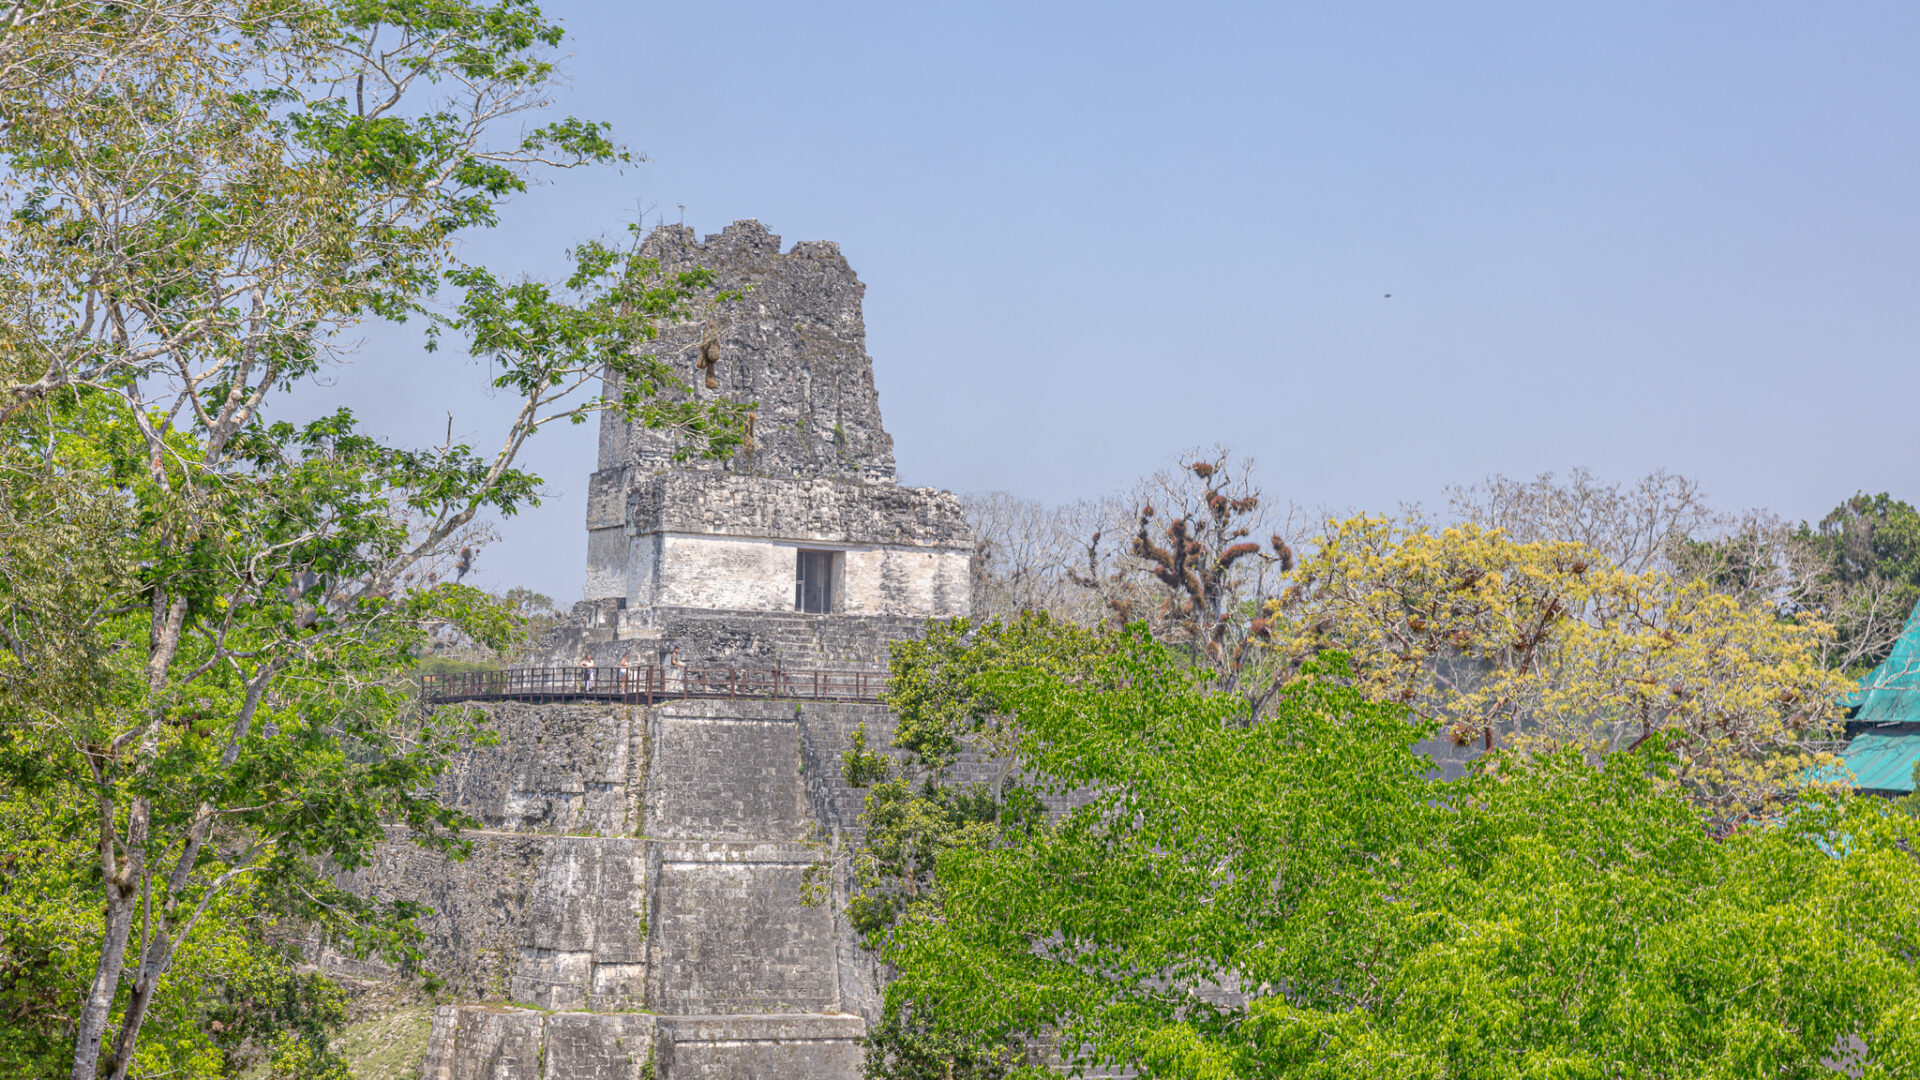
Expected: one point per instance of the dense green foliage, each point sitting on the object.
(209, 617)
(920, 807)
(1872, 535)
(1300, 898)
(235, 999)
(917, 806)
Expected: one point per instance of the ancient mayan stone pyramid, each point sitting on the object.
(635, 905)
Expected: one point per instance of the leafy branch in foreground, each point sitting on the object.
(947, 781)
(209, 614)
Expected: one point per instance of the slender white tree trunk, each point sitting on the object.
(159, 954)
(124, 874)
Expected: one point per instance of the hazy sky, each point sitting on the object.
(1622, 235)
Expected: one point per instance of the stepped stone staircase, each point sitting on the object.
(641, 901)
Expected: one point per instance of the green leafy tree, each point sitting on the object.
(924, 801)
(1301, 898)
(1868, 548)
(237, 997)
(206, 617)
(1872, 535)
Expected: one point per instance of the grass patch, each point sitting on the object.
(447, 665)
(386, 1047)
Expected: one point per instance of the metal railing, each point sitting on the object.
(644, 685)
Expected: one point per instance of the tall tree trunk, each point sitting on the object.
(123, 895)
(160, 947)
(125, 875)
(93, 1016)
(153, 964)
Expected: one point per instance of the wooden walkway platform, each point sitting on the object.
(644, 685)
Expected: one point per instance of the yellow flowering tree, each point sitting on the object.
(1546, 644)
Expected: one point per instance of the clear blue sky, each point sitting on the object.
(1616, 235)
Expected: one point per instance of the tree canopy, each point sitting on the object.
(1868, 547)
(207, 614)
(1302, 897)
(1546, 645)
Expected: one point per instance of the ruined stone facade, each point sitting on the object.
(674, 545)
(660, 891)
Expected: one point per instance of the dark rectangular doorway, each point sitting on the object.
(813, 582)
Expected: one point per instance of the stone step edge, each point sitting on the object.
(693, 1027)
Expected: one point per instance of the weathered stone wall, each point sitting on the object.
(524, 1044)
(794, 343)
(729, 638)
(478, 909)
(698, 540)
(573, 769)
(821, 509)
(747, 574)
(649, 865)
(732, 935)
(818, 470)
(704, 1048)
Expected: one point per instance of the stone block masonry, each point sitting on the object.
(793, 343)
(660, 891)
(526, 1044)
(558, 768)
(727, 777)
(676, 935)
(731, 934)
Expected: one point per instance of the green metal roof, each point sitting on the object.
(1882, 759)
(1885, 720)
(1890, 694)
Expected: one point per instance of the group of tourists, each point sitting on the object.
(627, 676)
